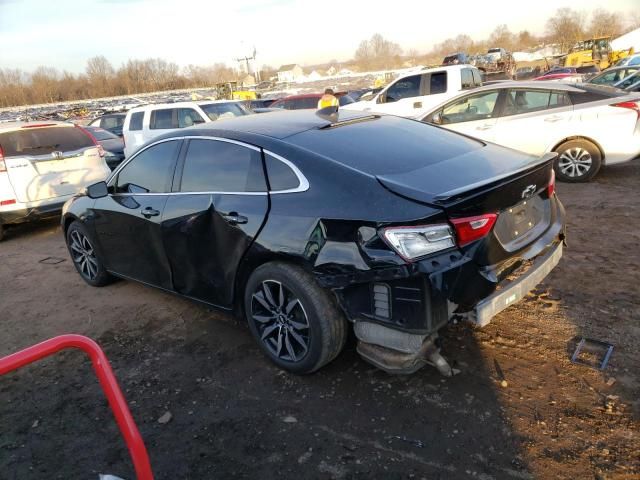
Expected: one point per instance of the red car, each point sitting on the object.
(307, 100)
(558, 74)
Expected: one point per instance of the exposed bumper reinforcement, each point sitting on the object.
(517, 289)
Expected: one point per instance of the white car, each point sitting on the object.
(587, 125)
(42, 165)
(149, 121)
(414, 94)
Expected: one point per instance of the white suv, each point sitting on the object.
(42, 165)
(149, 121)
(414, 94)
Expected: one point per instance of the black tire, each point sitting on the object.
(302, 303)
(578, 161)
(84, 256)
(2, 231)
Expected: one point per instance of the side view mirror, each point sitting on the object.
(97, 190)
(437, 118)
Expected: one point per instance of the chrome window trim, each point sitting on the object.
(303, 185)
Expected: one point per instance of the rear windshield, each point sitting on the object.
(217, 111)
(43, 141)
(386, 145)
(592, 93)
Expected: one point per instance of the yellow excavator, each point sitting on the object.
(594, 51)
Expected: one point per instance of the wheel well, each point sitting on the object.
(248, 265)
(68, 220)
(580, 137)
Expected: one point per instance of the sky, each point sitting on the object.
(65, 33)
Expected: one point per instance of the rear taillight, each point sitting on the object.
(551, 188)
(3, 166)
(631, 105)
(7, 202)
(93, 139)
(470, 229)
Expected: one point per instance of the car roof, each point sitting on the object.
(180, 104)
(528, 84)
(17, 125)
(278, 124)
(310, 95)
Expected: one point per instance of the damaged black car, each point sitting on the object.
(308, 224)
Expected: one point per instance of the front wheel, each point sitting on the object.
(85, 257)
(578, 161)
(296, 323)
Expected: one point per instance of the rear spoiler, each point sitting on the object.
(451, 194)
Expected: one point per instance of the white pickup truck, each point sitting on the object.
(414, 94)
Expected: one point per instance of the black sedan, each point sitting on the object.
(112, 145)
(305, 223)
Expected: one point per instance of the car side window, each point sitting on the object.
(477, 79)
(480, 106)
(216, 166)
(281, 176)
(164, 118)
(467, 78)
(151, 171)
(526, 101)
(438, 83)
(188, 117)
(404, 88)
(135, 123)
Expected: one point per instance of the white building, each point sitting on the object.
(290, 73)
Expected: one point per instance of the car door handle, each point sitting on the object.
(150, 212)
(484, 127)
(234, 219)
(554, 118)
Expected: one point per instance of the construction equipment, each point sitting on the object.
(594, 51)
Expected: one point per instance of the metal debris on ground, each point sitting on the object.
(593, 350)
(51, 260)
(417, 443)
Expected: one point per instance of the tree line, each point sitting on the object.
(101, 79)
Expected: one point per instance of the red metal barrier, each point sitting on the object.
(108, 383)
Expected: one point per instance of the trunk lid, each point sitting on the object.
(501, 181)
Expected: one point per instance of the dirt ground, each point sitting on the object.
(234, 415)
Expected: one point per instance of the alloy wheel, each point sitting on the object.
(281, 321)
(83, 255)
(575, 162)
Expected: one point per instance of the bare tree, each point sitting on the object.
(377, 53)
(604, 23)
(566, 27)
(100, 74)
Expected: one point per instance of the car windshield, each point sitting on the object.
(219, 111)
(102, 134)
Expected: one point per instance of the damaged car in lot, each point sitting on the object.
(306, 223)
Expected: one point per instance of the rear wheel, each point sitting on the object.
(296, 323)
(85, 257)
(578, 161)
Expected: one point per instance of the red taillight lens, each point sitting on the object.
(551, 188)
(632, 105)
(470, 229)
(93, 139)
(7, 202)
